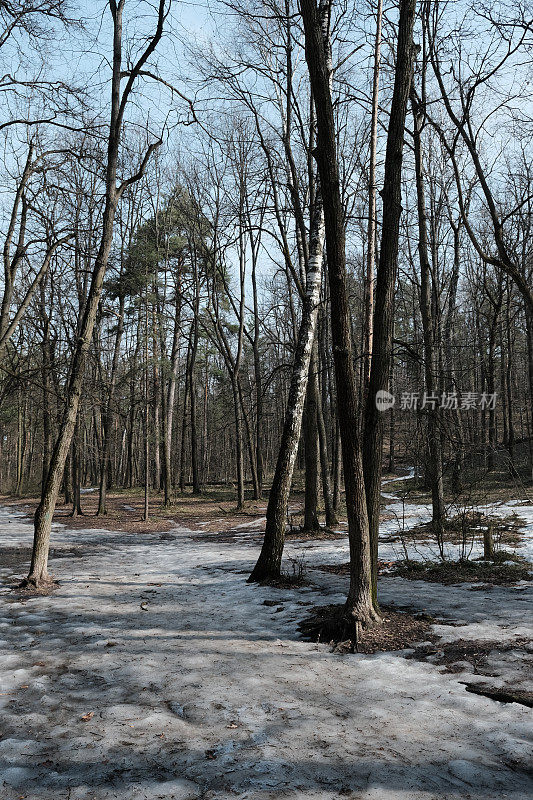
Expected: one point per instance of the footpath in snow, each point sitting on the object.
(155, 671)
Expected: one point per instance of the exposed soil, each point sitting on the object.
(384, 568)
(502, 695)
(450, 572)
(461, 655)
(450, 654)
(212, 511)
(397, 631)
(323, 534)
(14, 558)
(469, 527)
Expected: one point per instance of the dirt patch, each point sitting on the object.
(397, 631)
(17, 560)
(473, 656)
(212, 511)
(520, 696)
(453, 655)
(450, 572)
(468, 528)
(324, 534)
(227, 537)
(384, 568)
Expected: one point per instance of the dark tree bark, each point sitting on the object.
(435, 465)
(311, 522)
(387, 275)
(170, 398)
(359, 606)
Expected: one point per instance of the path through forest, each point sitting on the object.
(155, 671)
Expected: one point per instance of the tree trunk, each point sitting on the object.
(331, 517)
(109, 415)
(38, 574)
(170, 399)
(430, 354)
(311, 522)
(269, 562)
(359, 607)
(372, 226)
(386, 277)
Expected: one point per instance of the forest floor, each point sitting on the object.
(154, 670)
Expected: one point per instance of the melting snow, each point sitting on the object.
(156, 671)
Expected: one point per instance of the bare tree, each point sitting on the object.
(38, 574)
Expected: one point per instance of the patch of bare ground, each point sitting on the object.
(398, 630)
(469, 527)
(212, 511)
(498, 490)
(473, 655)
(17, 560)
(502, 695)
(14, 557)
(384, 568)
(323, 534)
(225, 536)
(453, 655)
(449, 572)
(477, 571)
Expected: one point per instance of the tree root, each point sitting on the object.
(34, 582)
(339, 624)
(264, 576)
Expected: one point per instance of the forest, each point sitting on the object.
(266, 399)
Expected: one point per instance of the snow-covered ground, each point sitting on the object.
(155, 671)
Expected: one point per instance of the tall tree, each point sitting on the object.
(38, 574)
(387, 274)
(359, 606)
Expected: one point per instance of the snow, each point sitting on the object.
(255, 524)
(155, 671)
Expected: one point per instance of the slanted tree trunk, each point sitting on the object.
(38, 574)
(268, 565)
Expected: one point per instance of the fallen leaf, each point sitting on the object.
(86, 717)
